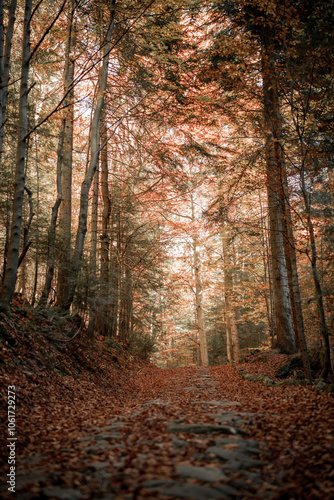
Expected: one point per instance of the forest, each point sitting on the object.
(166, 212)
(166, 172)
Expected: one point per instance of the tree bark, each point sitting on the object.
(103, 320)
(93, 248)
(232, 338)
(66, 154)
(296, 303)
(5, 51)
(25, 244)
(274, 162)
(317, 285)
(15, 235)
(52, 229)
(85, 186)
(204, 361)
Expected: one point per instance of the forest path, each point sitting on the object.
(188, 433)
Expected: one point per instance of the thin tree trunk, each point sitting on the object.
(5, 253)
(52, 229)
(296, 303)
(115, 276)
(104, 310)
(229, 350)
(85, 186)
(232, 338)
(199, 297)
(274, 162)
(317, 284)
(26, 243)
(66, 155)
(126, 305)
(34, 291)
(15, 235)
(5, 51)
(93, 248)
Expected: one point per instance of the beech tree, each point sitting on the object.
(95, 148)
(10, 274)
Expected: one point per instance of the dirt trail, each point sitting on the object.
(185, 433)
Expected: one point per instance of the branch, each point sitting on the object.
(46, 32)
(24, 253)
(64, 341)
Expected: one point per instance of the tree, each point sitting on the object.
(95, 148)
(65, 150)
(5, 51)
(10, 275)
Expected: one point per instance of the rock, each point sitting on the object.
(98, 465)
(107, 436)
(234, 455)
(228, 417)
(204, 429)
(33, 460)
(180, 443)
(216, 403)
(61, 493)
(290, 382)
(228, 490)
(100, 446)
(109, 428)
(268, 381)
(207, 474)
(157, 402)
(193, 491)
(289, 367)
(249, 446)
(320, 386)
(32, 478)
(303, 382)
(157, 483)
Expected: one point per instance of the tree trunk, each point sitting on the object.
(204, 361)
(103, 320)
(274, 163)
(26, 244)
(52, 229)
(115, 275)
(66, 153)
(5, 50)
(232, 338)
(296, 303)
(317, 285)
(93, 248)
(15, 235)
(125, 305)
(94, 143)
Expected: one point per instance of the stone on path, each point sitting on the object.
(61, 493)
(207, 474)
(216, 403)
(187, 490)
(237, 455)
(204, 429)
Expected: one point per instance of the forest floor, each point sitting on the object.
(92, 421)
